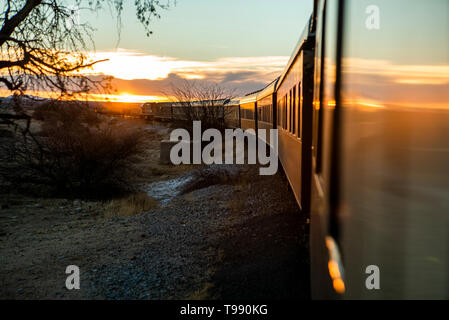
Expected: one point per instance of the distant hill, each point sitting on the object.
(29, 104)
(118, 107)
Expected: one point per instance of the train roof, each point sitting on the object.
(269, 89)
(160, 103)
(234, 102)
(306, 34)
(252, 97)
(201, 103)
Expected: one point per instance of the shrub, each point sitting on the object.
(130, 205)
(73, 150)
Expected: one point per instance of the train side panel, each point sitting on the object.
(248, 116)
(294, 117)
(394, 155)
(380, 151)
(322, 284)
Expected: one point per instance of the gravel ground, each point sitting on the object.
(219, 232)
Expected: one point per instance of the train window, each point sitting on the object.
(248, 114)
(319, 70)
(264, 114)
(270, 114)
(294, 111)
(281, 114)
(299, 111)
(267, 113)
(290, 111)
(281, 107)
(284, 115)
(285, 112)
(278, 116)
(324, 102)
(327, 114)
(278, 107)
(328, 81)
(287, 108)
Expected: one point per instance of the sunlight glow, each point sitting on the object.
(334, 267)
(97, 97)
(125, 97)
(132, 65)
(406, 74)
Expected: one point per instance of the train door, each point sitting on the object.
(327, 275)
(394, 212)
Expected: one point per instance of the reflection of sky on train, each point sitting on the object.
(401, 85)
(407, 31)
(394, 148)
(408, 67)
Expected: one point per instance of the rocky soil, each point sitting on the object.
(218, 232)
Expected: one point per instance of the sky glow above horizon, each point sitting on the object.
(242, 45)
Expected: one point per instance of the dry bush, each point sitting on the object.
(212, 175)
(196, 101)
(75, 151)
(128, 206)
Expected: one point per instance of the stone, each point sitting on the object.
(166, 146)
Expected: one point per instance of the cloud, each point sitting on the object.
(241, 83)
(240, 76)
(139, 73)
(146, 76)
(378, 81)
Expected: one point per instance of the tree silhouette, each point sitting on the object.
(43, 48)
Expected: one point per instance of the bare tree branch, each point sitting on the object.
(42, 48)
(203, 102)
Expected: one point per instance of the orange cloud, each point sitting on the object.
(131, 65)
(371, 84)
(408, 74)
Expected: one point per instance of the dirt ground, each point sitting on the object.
(217, 232)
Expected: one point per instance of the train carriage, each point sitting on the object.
(362, 111)
(294, 117)
(232, 114)
(380, 195)
(266, 110)
(248, 115)
(161, 111)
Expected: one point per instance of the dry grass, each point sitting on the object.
(131, 205)
(236, 206)
(203, 293)
(75, 153)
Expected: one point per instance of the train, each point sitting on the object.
(362, 112)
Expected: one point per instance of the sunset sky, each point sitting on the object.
(233, 42)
